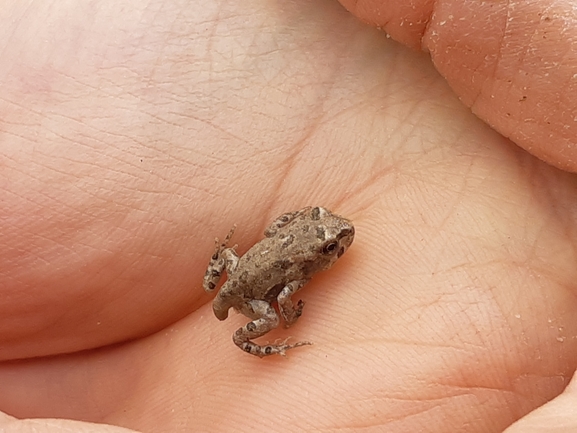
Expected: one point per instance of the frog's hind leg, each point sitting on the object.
(265, 320)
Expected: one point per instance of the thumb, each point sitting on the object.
(512, 62)
(557, 416)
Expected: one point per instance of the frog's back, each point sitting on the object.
(263, 266)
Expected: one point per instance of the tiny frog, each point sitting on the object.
(296, 246)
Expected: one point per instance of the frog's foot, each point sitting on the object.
(291, 313)
(271, 349)
(286, 346)
(288, 311)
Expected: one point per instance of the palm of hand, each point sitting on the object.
(457, 288)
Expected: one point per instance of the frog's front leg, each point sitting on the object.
(265, 320)
(282, 221)
(223, 258)
(288, 310)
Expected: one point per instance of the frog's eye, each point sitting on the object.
(330, 248)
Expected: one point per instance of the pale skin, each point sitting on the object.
(130, 138)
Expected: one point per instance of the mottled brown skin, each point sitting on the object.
(297, 245)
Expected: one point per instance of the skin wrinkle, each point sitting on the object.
(498, 58)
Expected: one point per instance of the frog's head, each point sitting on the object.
(334, 233)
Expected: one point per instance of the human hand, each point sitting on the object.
(133, 140)
(512, 62)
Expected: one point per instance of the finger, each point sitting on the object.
(512, 62)
(557, 416)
